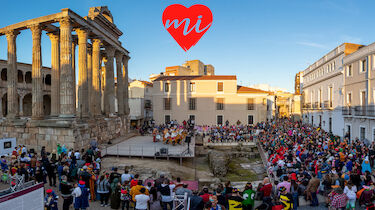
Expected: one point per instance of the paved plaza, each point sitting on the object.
(142, 146)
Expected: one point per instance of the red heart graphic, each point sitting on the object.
(187, 25)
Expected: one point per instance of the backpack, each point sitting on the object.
(166, 191)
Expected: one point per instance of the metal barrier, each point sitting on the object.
(181, 202)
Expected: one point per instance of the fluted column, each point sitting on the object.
(96, 74)
(37, 77)
(83, 106)
(55, 70)
(89, 80)
(125, 77)
(120, 84)
(21, 104)
(12, 74)
(109, 84)
(67, 86)
(74, 44)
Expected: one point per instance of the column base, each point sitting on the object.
(67, 116)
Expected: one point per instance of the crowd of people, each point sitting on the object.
(79, 180)
(307, 161)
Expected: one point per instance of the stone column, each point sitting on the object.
(83, 108)
(21, 104)
(12, 75)
(55, 70)
(109, 83)
(96, 74)
(74, 44)
(67, 86)
(37, 77)
(125, 77)
(89, 80)
(120, 84)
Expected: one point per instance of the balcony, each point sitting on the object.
(307, 106)
(347, 110)
(359, 111)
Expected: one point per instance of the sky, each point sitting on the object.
(266, 41)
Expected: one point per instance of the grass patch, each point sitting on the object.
(237, 173)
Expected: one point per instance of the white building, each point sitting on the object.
(140, 102)
(322, 91)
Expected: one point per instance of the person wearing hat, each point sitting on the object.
(285, 198)
(81, 196)
(50, 201)
(235, 200)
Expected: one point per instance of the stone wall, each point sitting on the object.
(72, 133)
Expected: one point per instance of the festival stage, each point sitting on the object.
(142, 146)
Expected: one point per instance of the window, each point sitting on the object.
(220, 87)
(205, 70)
(250, 119)
(363, 65)
(250, 104)
(330, 97)
(192, 117)
(167, 87)
(349, 99)
(349, 71)
(219, 119)
(330, 125)
(220, 104)
(167, 104)
(373, 134)
(192, 103)
(167, 119)
(333, 65)
(312, 120)
(362, 134)
(363, 98)
(348, 131)
(192, 87)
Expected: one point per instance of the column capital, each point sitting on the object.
(65, 22)
(74, 39)
(11, 34)
(36, 30)
(82, 31)
(89, 47)
(110, 51)
(125, 58)
(119, 55)
(54, 36)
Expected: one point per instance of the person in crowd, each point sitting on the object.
(141, 200)
(81, 196)
(249, 196)
(115, 193)
(136, 190)
(312, 189)
(214, 203)
(340, 199)
(235, 200)
(103, 188)
(285, 198)
(126, 176)
(125, 195)
(50, 201)
(205, 194)
(66, 192)
(155, 199)
(196, 202)
(266, 190)
(351, 192)
(166, 190)
(184, 189)
(114, 175)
